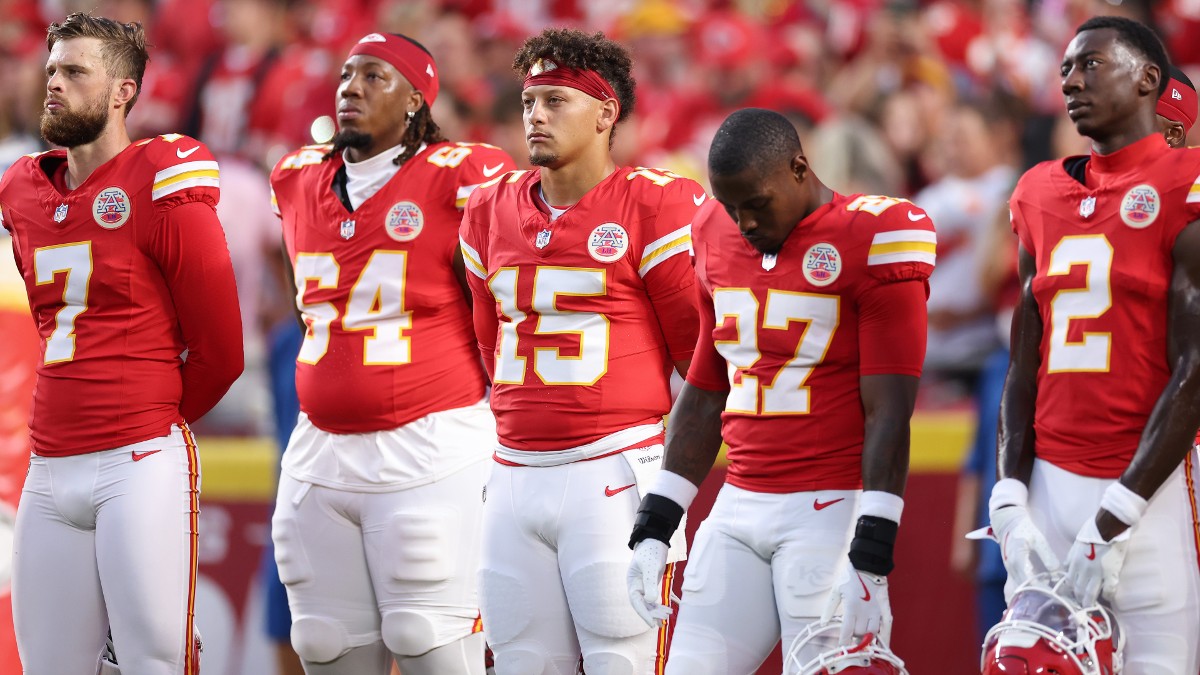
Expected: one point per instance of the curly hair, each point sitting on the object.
(123, 45)
(576, 49)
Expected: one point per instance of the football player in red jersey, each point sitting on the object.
(812, 336)
(132, 291)
(377, 522)
(1099, 408)
(583, 304)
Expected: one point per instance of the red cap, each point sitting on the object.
(1178, 104)
(406, 56)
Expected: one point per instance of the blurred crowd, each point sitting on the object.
(944, 102)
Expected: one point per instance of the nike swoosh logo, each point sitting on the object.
(489, 171)
(1092, 553)
(866, 591)
(609, 492)
(698, 199)
(916, 216)
(139, 456)
(819, 505)
(185, 154)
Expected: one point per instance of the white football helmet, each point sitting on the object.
(1045, 631)
(816, 651)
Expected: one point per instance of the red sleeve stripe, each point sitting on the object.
(471, 258)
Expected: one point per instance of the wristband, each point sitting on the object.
(657, 518)
(674, 487)
(873, 544)
(1125, 504)
(1008, 492)
(881, 504)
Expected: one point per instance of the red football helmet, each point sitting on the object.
(1046, 632)
(816, 651)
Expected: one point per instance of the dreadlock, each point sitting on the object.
(421, 130)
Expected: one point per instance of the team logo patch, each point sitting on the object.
(405, 221)
(822, 264)
(608, 242)
(1140, 206)
(1087, 206)
(111, 208)
(60, 214)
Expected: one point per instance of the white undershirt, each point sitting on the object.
(365, 178)
(555, 212)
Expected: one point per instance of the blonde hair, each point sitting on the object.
(123, 45)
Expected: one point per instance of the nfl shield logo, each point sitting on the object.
(60, 214)
(1087, 207)
(769, 260)
(543, 238)
(347, 230)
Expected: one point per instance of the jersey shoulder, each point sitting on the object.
(898, 235)
(183, 169)
(462, 167)
(661, 187)
(22, 169)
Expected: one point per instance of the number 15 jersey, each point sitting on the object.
(580, 318)
(1104, 264)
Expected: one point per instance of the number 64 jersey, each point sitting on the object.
(1104, 264)
(789, 335)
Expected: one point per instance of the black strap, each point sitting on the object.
(873, 544)
(657, 518)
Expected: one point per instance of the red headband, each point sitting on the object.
(405, 56)
(545, 71)
(1178, 104)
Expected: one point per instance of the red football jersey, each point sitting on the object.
(389, 332)
(124, 273)
(789, 335)
(579, 319)
(1104, 267)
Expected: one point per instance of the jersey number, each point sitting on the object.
(1091, 354)
(551, 366)
(75, 261)
(786, 393)
(376, 304)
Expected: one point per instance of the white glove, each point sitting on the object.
(1020, 540)
(645, 581)
(864, 599)
(1094, 565)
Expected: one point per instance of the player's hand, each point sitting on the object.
(645, 581)
(1094, 565)
(865, 607)
(1020, 542)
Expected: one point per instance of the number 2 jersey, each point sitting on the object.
(389, 336)
(124, 273)
(790, 335)
(579, 319)
(1104, 264)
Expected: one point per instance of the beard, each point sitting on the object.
(349, 138)
(543, 158)
(70, 128)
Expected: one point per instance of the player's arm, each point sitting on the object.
(1020, 540)
(1014, 458)
(483, 304)
(460, 272)
(665, 265)
(189, 246)
(693, 441)
(1172, 424)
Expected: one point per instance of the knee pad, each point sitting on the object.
(506, 607)
(519, 662)
(290, 557)
(317, 640)
(600, 603)
(607, 663)
(408, 633)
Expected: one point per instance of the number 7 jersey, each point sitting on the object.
(1104, 265)
(581, 318)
